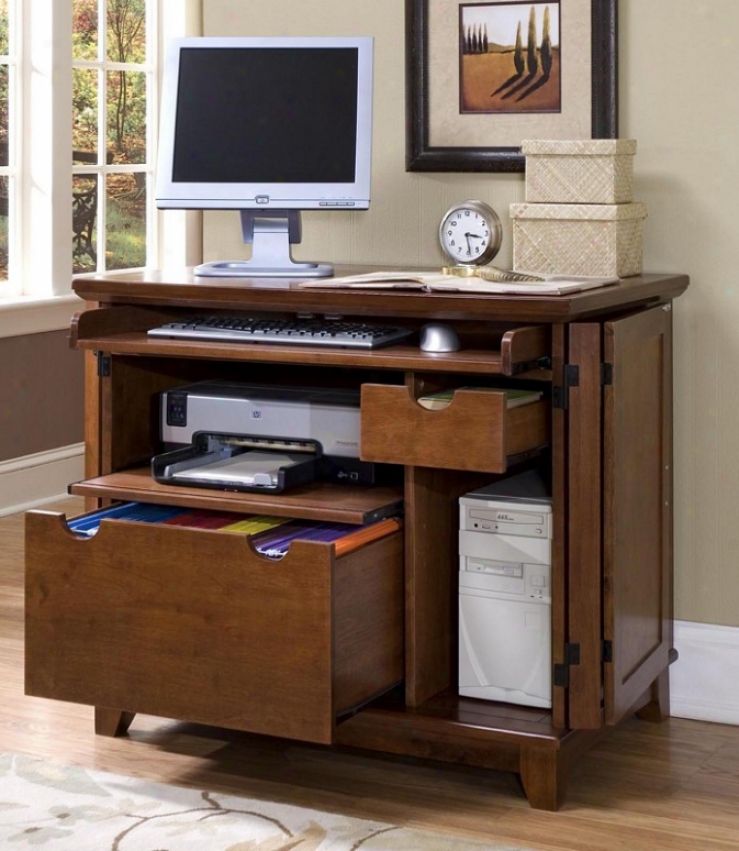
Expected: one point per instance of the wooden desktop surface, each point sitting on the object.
(181, 288)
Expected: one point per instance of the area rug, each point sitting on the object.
(65, 808)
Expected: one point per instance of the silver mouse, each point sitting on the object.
(437, 337)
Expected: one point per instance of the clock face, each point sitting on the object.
(470, 233)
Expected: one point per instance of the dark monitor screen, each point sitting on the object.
(266, 115)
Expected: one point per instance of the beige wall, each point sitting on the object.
(679, 69)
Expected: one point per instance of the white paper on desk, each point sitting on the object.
(438, 282)
(379, 281)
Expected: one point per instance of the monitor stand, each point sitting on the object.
(270, 233)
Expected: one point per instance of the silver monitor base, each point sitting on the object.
(244, 268)
(270, 233)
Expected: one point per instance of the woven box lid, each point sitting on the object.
(580, 212)
(579, 147)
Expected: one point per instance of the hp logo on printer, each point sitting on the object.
(255, 415)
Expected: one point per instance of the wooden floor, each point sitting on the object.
(646, 787)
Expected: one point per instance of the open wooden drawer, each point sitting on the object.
(195, 625)
(476, 431)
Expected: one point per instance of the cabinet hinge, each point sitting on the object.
(572, 654)
(103, 365)
(608, 651)
(561, 674)
(570, 378)
(606, 374)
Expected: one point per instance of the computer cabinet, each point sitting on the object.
(361, 650)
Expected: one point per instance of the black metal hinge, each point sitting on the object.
(562, 671)
(606, 374)
(608, 651)
(103, 365)
(570, 378)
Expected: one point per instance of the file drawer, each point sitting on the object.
(476, 431)
(195, 625)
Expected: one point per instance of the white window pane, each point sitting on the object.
(4, 205)
(126, 30)
(84, 223)
(85, 114)
(126, 221)
(126, 116)
(4, 113)
(84, 29)
(4, 28)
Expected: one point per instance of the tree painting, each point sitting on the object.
(546, 46)
(532, 49)
(516, 67)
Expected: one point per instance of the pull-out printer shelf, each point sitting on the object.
(314, 501)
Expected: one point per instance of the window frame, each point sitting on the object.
(103, 67)
(39, 294)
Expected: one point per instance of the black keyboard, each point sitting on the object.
(297, 331)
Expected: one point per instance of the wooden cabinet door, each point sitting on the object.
(637, 506)
(584, 647)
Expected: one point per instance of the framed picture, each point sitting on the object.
(483, 76)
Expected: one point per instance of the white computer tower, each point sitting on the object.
(505, 602)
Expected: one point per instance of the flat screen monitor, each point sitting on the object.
(270, 127)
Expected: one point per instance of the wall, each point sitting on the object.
(41, 394)
(679, 65)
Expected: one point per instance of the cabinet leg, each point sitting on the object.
(658, 708)
(543, 778)
(112, 722)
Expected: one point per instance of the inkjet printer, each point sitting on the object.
(255, 437)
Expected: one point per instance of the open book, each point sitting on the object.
(478, 283)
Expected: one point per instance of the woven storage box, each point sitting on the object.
(578, 239)
(596, 171)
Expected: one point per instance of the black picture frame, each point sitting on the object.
(421, 156)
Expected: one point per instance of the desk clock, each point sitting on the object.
(470, 234)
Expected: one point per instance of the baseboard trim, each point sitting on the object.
(704, 682)
(34, 480)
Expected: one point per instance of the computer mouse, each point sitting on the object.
(438, 337)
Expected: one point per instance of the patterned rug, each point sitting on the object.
(63, 808)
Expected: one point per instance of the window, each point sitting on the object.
(8, 109)
(79, 85)
(113, 83)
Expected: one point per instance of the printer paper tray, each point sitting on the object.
(213, 462)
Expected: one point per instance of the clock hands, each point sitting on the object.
(469, 236)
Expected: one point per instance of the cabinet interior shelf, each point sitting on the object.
(477, 723)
